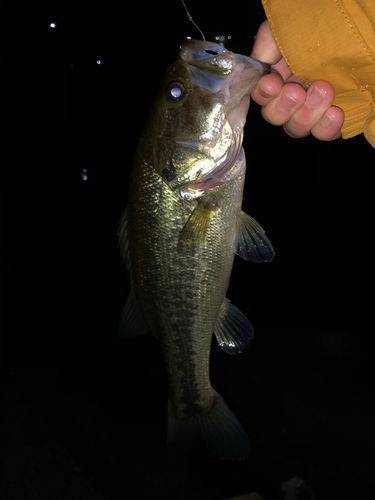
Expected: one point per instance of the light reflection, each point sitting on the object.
(52, 25)
(83, 174)
(221, 39)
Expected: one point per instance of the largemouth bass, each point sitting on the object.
(180, 232)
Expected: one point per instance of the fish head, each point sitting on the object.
(201, 111)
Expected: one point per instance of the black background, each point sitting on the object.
(84, 414)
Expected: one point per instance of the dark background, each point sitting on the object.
(84, 414)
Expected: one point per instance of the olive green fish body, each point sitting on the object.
(181, 230)
(181, 287)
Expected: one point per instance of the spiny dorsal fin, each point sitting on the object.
(132, 322)
(252, 243)
(233, 331)
(123, 239)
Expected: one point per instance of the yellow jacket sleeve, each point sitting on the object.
(332, 40)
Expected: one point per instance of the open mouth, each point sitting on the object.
(217, 69)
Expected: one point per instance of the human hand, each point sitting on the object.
(287, 101)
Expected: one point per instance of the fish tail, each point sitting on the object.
(219, 429)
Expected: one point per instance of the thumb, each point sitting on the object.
(265, 48)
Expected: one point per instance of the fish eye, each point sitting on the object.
(175, 91)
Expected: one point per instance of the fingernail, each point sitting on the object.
(326, 121)
(287, 102)
(315, 98)
(264, 93)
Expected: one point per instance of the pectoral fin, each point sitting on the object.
(233, 330)
(195, 229)
(252, 243)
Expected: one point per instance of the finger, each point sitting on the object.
(268, 88)
(279, 111)
(283, 69)
(265, 48)
(328, 128)
(319, 97)
(293, 78)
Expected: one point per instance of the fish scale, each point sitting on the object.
(203, 291)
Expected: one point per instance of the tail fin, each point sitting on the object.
(219, 429)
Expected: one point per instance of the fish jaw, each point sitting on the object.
(228, 78)
(221, 71)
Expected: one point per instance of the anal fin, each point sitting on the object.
(233, 331)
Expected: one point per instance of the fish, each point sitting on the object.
(181, 229)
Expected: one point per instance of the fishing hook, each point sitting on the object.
(191, 19)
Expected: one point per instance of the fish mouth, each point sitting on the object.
(217, 69)
(232, 77)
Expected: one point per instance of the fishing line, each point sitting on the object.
(191, 19)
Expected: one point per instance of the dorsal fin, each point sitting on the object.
(123, 239)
